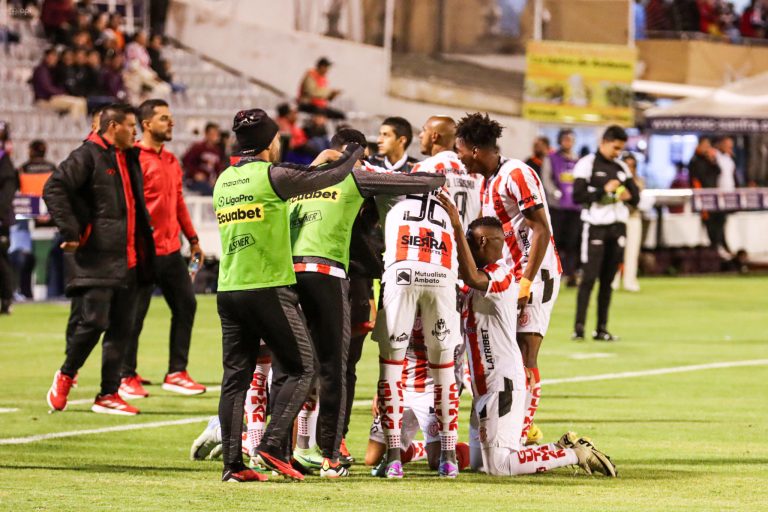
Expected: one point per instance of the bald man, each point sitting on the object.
(436, 140)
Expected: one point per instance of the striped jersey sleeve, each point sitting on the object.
(523, 185)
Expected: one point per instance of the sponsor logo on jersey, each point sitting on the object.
(404, 276)
(428, 241)
(440, 331)
(429, 277)
(487, 352)
(299, 221)
(240, 242)
(460, 182)
(523, 236)
(243, 213)
(327, 194)
(234, 200)
(238, 181)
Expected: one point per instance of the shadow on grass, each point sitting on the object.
(618, 421)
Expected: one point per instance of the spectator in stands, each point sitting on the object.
(315, 94)
(705, 173)
(158, 11)
(160, 65)
(295, 143)
(8, 185)
(86, 6)
(99, 31)
(639, 19)
(539, 161)
(56, 17)
(753, 20)
(685, 15)
(708, 18)
(140, 78)
(204, 161)
(657, 16)
(82, 24)
(48, 94)
(564, 212)
(728, 20)
(316, 129)
(395, 135)
(112, 77)
(65, 74)
(82, 41)
(114, 31)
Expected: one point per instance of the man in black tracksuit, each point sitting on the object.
(9, 183)
(95, 198)
(604, 186)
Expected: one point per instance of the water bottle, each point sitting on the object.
(194, 265)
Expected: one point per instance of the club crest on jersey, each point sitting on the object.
(433, 428)
(404, 276)
(440, 331)
(524, 319)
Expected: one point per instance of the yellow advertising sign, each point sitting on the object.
(579, 83)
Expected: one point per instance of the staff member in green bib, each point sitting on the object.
(321, 230)
(255, 297)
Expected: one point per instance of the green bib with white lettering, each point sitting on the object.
(253, 225)
(321, 221)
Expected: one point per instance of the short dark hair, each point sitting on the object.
(629, 156)
(401, 127)
(210, 126)
(544, 139)
(323, 61)
(615, 132)
(347, 135)
(147, 109)
(116, 112)
(490, 222)
(283, 109)
(721, 138)
(37, 148)
(563, 134)
(479, 130)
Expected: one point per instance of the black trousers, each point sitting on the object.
(715, 224)
(173, 279)
(604, 251)
(6, 271)
(97, 311)
(248, 316)
(324, 300)
(360, 294)
(566, 230)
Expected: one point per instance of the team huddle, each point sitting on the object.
(470, 276)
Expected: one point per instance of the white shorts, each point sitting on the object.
(412, 286)
(536, 314)
(500, 416)
(418, 414)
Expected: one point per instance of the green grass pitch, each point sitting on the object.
(694, 440)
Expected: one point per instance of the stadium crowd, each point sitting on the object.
(717, 18)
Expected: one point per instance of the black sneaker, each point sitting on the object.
(603, 335)
(578, 333)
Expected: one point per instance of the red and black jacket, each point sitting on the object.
(86, 198)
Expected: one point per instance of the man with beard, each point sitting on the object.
(165, 202)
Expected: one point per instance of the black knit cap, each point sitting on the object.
(254, 130)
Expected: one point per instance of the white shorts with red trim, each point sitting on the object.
(535, 316)
(418, 415)
(410, 287)
(500, 416)
(320, 269)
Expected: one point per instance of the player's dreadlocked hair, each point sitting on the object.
(478, 130)
(490, 222)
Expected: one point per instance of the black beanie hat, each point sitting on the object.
(254, 130)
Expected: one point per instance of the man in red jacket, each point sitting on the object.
(163, 194)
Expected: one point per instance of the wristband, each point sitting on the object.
(525, 288)
(194, 240)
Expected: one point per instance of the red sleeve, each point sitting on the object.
(182, 214)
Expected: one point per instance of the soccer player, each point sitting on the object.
(168, 211)
(498, 374)
(255, 298)
(513, 193)
(395, 135)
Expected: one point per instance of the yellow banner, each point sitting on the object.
(579, 83)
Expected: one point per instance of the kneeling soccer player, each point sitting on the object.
(496, 365)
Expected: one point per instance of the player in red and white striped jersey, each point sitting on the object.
(498, 375)
(514, 194)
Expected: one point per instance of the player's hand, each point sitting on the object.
(328, 155)
(521, 303)
(611, 185)
(625, 195)
(375, 406)
(524, 295)
(69, 246)
(195, 250)
(453, 212)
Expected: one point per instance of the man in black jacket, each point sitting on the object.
(8, 184)
(603, 184)
(95, 198)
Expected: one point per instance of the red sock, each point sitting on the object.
(533, 397)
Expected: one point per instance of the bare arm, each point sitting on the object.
(536, 220)
(468, 270)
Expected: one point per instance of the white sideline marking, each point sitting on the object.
(591, 355)
(119, 428)
(7, 409)
(81, 401)
(583, 378)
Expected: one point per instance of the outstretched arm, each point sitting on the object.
(468, 271)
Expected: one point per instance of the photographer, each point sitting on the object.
(604, 186)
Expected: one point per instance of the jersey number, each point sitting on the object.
(460, 200)
(427, 210)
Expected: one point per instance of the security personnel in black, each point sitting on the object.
(604, 186)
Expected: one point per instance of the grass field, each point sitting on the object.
(693, 440)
